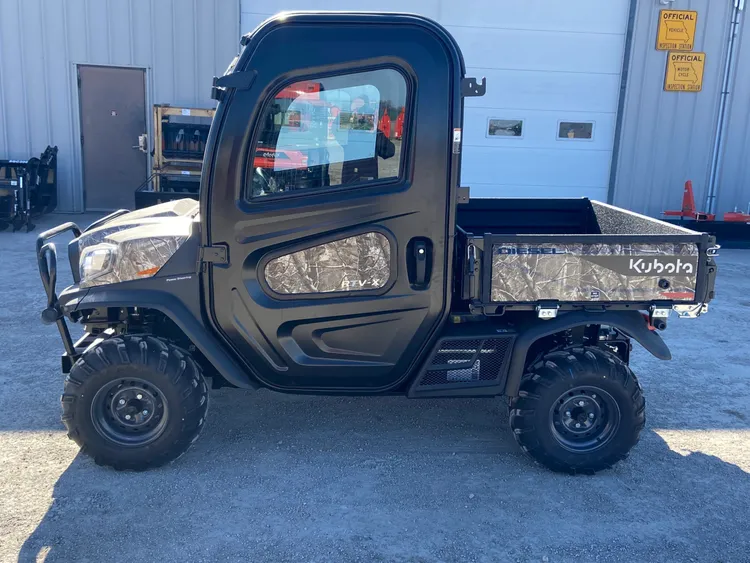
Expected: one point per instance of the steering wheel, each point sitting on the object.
(263, 183)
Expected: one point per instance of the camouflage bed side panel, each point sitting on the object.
(356, 263)
(594, 272)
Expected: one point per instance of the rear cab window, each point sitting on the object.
(334, 132)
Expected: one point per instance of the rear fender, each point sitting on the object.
(629, 322)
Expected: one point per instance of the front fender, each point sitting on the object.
(629, 322)
(164, 295)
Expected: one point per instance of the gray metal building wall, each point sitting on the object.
(181, 43)
(668, 137)
(734, 174)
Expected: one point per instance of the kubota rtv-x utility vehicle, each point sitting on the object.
(360, 266)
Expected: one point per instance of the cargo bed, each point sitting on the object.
(576, 253)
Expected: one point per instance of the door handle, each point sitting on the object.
(142, 143)
(420, 262)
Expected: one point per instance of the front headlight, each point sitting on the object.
(134, 245)
(96, 261)
(132, 259)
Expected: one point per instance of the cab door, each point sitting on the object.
(338, 233)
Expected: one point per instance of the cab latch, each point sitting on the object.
(471, 87)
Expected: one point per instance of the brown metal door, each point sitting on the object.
(113, 115)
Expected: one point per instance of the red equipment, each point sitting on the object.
(385, 124)
(274, 159)
(400, 124)
(688, 210)
(298, 89)
(737, 216)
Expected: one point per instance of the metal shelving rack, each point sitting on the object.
(165, 162)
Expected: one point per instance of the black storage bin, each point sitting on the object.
(14, 195)
(42, 180)
(27, 188)
(184, 140)
(172, 188)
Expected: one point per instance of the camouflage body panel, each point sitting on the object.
(594, 272)
(357, 263)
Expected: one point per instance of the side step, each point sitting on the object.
(466, 362)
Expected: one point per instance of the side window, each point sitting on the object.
(355, 263)
(335, 131)
(512, 128)
(575, 130)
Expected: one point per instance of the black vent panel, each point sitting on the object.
(467, 361)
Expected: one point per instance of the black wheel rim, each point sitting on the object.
(129, 412)
(584, 419)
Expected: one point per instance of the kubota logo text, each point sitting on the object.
(656, 266)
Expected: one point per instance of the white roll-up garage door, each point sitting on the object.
(546, 125)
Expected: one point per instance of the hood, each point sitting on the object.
(170, 219)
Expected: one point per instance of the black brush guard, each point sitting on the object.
(46, 255)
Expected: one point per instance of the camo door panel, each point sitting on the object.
(358, 263)
(594, 272)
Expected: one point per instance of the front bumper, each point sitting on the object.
(58, 307)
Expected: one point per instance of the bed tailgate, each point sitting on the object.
(639, 270)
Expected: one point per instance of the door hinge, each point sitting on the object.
(547, 310)
(462, 195)
(235, 80)
(217, 254)
(471, 87)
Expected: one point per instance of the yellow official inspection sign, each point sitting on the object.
(684, 72)
(676, 30)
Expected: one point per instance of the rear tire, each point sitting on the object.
(579, 410)
(134, 402)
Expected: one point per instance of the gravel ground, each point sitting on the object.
(283, 478)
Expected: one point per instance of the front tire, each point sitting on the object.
(134, 402)
(579, 410)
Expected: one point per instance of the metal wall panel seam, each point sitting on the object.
(624, 75)
(196, 59)
(173, 64)
(78, 149)
(77, 195)
(87, 27)
(108, 19)
(4, 109)
(652, 162)
(744, 169)
(629, 109)
(45, 77)
(727, 83)
(66, 191)
(131, 27)
(149, 86)
(216, 31)
(152, 35)
(738, 136)
(22, 78)
(687, 154)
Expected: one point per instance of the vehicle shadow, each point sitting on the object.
(290, 478)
